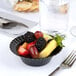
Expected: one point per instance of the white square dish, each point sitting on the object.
(6, 11)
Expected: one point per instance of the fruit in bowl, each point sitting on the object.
(37, 48)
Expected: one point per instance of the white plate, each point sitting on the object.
(6, 10)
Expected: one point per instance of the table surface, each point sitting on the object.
(11, 65)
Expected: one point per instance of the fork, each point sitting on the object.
(67, 63)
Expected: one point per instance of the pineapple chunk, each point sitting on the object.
(48, 49)
(46, 37)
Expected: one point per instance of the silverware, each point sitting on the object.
(67, 63)
(8, 24)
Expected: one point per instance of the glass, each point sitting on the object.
(53, 16)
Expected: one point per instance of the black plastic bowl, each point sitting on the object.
(30, 61)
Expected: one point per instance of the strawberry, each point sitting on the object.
(38, 34)
(30, 45)
(22, 51)
(24, 45)
(34, 52)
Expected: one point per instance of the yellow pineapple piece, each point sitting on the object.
(48, 49)
(46, 37)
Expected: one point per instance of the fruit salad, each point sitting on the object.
(39, 44)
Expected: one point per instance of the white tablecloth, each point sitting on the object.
(12, 65)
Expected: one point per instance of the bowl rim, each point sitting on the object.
(23, 56)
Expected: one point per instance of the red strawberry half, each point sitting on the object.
(30, 45)
(22, 51)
